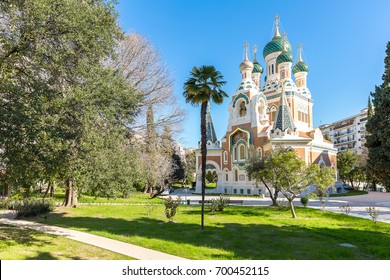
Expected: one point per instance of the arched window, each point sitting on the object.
(225, 157)
(236, 175)
(260, 109)
(235, 157)
(273, 68)
(242, 151)
(242, 109)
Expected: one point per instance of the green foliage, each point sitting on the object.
(32, 207)
(304, 200)
(219, 204)
(171, 207)
(204, 84)
(323, 179)
(378, 128)
(351, 167)
(263, 170)
(211, 177)
(62, 109)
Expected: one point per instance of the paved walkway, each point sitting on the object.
(123, 248)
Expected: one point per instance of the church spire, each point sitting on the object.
(277, 34)
(210, 131)
(284, 118)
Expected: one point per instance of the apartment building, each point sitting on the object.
(348, 133)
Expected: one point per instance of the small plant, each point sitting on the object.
(219, 204)
(346, 209)
(283, 206)
(305, 200)
(374, 213)
(171, 207)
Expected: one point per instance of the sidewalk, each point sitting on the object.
(123, 248)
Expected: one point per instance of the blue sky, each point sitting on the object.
(343, 42)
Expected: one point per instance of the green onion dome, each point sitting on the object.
(285, 56)
(300, 67)
(257, 68)
(276, 45)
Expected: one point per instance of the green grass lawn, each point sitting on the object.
(24, 244)
(237, 233)
(350, 193)
(134, 198)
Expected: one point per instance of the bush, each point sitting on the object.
(305, 200)
(374, 213)
(283, 206)
(32, 207)
(171, 207)
(218, 204)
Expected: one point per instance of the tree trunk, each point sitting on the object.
(290, 202)
(70, 194)
(203, 149)
(274, 196)
(52, 190)
(47, 191)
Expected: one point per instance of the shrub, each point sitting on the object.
(171, 207)
(305, 200)
(283, 206)
(219, 204)
(32, 207)
(346, 209)
(374, 213)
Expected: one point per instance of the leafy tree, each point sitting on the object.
(291, 174)
(263, 171)
(351, 168)
(55, 91)
(190, 167)
(324, 179)
(151, 150)
(204, 84)
(378, 128)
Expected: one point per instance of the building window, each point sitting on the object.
(227, 177)
(241, 191)
(248, 191)
(242, 152)
(242, 109)
(225, 157)
(273, 68)
(282, 75)
(236, 175)
(235, 191)
(225, 191)
(235, 157)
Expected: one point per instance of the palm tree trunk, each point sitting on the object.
(203, 149)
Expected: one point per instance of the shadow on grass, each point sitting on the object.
(222, 240)
(12, 236)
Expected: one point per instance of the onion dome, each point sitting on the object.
(276, 44)
(285, 56)
(300, 66)
(246, 64)
(257, 68)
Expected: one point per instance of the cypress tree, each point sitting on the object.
(378, 128)
(151, 149)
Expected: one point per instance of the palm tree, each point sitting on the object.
(204, 83)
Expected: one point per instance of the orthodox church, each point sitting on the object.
(263, 117)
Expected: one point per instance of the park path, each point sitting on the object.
(123, 248)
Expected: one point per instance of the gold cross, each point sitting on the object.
(277, 20)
